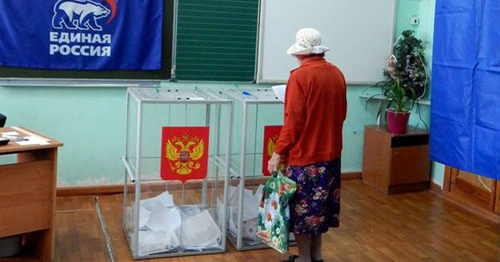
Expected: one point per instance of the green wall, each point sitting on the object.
(424, 10)
(91, 121)
(91, 124)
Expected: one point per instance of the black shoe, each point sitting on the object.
(291, 258)
(312, 260)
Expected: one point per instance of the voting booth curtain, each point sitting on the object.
(81, 34)
(465, 112)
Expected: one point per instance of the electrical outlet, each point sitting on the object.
(414, 20)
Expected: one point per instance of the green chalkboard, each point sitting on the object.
(164, 73)
(216, 40)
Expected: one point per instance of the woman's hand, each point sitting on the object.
(273, 163)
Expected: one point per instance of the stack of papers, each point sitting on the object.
(32, 140)
(165, 227)
(24, 141)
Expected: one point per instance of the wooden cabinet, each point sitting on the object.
(27, 195)
(396, 163)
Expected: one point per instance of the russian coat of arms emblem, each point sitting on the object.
(184, 153)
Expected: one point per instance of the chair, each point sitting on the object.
(2, 120)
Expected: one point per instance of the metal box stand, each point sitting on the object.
(254, 109)
(169, 218)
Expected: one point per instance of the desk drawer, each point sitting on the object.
(26, 197)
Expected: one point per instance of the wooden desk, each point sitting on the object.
(28, 193)
(396, 163)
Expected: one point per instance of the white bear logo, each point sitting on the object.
(78, 14)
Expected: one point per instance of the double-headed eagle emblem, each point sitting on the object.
(184, 153)
(271, 143)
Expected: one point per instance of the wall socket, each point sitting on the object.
(414, 20)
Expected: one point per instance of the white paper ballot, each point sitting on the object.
(259, 192)
(162, 226)
(143, 216)
(250, 230)
(164, 218)
(280, 90)
(201, 231)
(250, 213)
(166, 199)
(151, 242)
(249, 202)
(147, 206)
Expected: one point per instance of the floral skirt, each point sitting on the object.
(316, 204)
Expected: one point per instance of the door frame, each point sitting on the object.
(450, 179)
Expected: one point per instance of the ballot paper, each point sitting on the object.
(201, 231)
(248, 200)
(249, 228)
(280, 91)
(250, 213)
(143, 216)
(151, 242)
(258, 193)
(146, 206)
(165, 227)
(165, 198)
(163, 218)
(251, 201)
(191, 210)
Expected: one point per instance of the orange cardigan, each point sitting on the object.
(315, 110)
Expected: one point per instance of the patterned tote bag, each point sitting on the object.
(274, 213)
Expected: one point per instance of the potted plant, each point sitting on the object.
(406, 81)
(398, 108)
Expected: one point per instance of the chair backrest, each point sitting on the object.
(2, 120)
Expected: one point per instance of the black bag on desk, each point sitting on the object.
(2, 120)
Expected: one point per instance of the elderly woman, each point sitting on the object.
(310, 143)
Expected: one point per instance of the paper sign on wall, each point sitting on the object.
(271, 134)
(184, 153)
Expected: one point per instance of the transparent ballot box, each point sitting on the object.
(175, 193)
(255, 111)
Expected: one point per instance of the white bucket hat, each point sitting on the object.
(307, 41)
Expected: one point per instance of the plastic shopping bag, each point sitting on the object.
(274, 213)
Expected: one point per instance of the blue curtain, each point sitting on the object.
(465, 112)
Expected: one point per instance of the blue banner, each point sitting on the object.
(81, 34)
(465, 112)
